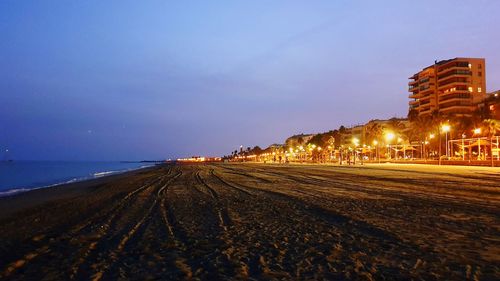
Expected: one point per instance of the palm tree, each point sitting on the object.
(374, 132)
(419, 128)
(463, 125)
(396, 125)
(412, 115)
(492, 127)
(437, 119)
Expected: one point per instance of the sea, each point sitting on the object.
(21, 176)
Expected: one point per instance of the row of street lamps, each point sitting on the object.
(389, 138)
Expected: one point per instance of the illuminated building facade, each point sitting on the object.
(451, 87)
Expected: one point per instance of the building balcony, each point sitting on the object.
(412, 83)
(466, 101)
(457, 109)
(424, 80)
(424, 111)
(427, 90)
(425, 103)
(414, 95)
(462, 64)
(426, 97)
(462, 93)
(455, 74)
(413, 102)
(453, 68)
(452, 84)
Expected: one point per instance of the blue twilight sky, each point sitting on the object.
(113, 80)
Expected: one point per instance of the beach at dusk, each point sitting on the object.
(249, 140)
(253, 221)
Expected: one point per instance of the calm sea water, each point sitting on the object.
(21, 176)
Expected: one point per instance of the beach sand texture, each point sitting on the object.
(254, 221)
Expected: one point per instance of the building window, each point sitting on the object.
(479, 66)
(479, 74)
(479, 90)
(470, 65)
(470, 89)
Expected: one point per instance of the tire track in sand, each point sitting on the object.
(101, 267)
(222, 214)
(46, 248)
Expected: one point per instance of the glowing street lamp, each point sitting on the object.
(375, 143)
(477, 131)
(446, 128)
(355, 141)
(389, 136)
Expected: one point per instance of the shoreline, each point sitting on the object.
(13, 191)
(12, 203)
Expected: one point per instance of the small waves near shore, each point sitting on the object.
(22, 176)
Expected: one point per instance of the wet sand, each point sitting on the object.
(254, 221)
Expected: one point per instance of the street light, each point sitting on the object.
(477, 131)
(375, 142)
(446, 128)
(389, 136)
(355, 141)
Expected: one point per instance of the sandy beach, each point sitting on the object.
(255, 221)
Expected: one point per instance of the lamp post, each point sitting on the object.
(355, 141)
(463, 147)
(375, 142)
(389, 136)
(431, 136)
(404, 151)
(426, 142)
(446, 128)
(440, 144)
(477, 131)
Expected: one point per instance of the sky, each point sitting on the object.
(134, 80)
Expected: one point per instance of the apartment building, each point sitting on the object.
(490, 106)
(452, 87)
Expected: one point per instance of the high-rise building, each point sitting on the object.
(452, 87)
